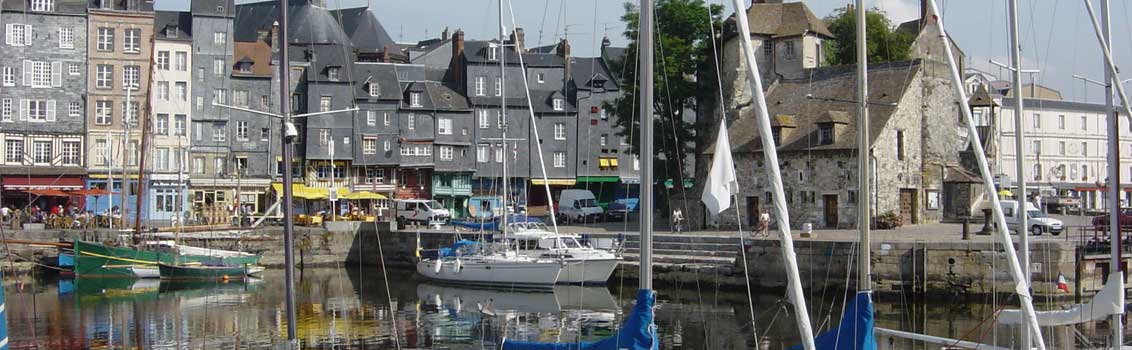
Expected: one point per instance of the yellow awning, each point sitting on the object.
(555, 182)
(613, 162)
(311, 193)
(603, 162)
(360, 195)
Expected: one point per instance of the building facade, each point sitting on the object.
(213, 46)
(171, 112)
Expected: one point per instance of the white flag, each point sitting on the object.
(721, 182)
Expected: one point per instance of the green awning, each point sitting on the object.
(599, 179)
(687, 183)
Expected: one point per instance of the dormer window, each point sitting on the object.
(43, 5)
(825, 134)
(171, 32)
(492, 53)
(332, 73)
(244, 67)
(559, 104)
(374, 89)
(414, 99)
(776, 133)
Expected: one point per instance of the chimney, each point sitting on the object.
(385, 54)
(444, 34)
(519, 39)
(563, 49)
(457, 66)
(274, 36)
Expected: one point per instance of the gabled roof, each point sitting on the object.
(783, 120)
(434, 96)
(543, 102)
(785, 19)
(614, 55)
(213, 8)
(70, 7)
(365, 30)
(835, 117)
(309, 24)
(981, 98)
(476, 51)
(382, 74)
(585, 70)
(543, 60)
(829, 87)
(181, 21)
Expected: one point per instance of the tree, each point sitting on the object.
(884, 43)
(683, 48)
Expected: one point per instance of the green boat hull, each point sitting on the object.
(181, 272)
(99, 260)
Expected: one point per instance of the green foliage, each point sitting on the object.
(683, 48)
(885, 44)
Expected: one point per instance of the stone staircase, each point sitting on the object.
(683, 253)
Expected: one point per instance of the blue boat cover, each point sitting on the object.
(493, 224)
(3, 320)
(638, 332)
(855, 331)
(451, 251)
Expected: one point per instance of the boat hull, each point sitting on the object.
(588, 271)
(99, 260)
(180, 272)
(529, 274)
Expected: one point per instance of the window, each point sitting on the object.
(385, 118)
(130, 113)
(386, 145)
(163, 90)
(559, 159)
(1061, 148)
(492, 53)
(1036, 146)
(264, 102)
(241, 164)
(181, 61)
(17, 34)
(240, 97)
(103, 112)
(559, 104)
(899, 144)
(41, 152)
(479, 86)
(324, 104)
(131, 77)
(481, 153)
(414, 99)
(182, 89)
(9, 76)
(1084, 149)
(374, 89)
(324, 137)
(499, 153)
(104, 76)
(38, 110)
(163, 60)
(74, 68)
(200, 74)
(198, 131)
(540, 77)
(218, 68)
(242, 131)
(179, 124)
(66, 38)
(788, 50)
(220, 165)
(1037, 172)
(604, 139)
(371, 118)
(499, 119)
(445, 152)
(200, 102)
(219, 38)
(1061, 122)
(198, 165)
(444, 126)
(1084, 172)
(162, 124)
(559, 131)
(131, 41)
(483, 122)
(43, 5)
(264, 134)
(825, 134)
(161, 159)
(74, 109)
(165, 201)
(14, 151)
(218, 132)
(768, 50)
(40, 73)
(412, 121)
(105, 39)
(602, 113)
(498, 87)
(1037, 121)
(332, 73)
(218, 96)
(101, 151)
(369, 145)
(6, 110)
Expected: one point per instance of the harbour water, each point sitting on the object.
(340, 308)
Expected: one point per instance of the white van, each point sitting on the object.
(578, 205)
(1037, 220)
(421, 210)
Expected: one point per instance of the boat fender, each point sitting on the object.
(436, 266)
(457, 266)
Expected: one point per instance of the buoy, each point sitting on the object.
(225, 278)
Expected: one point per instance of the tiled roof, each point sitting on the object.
(258, 53)
(785, 19)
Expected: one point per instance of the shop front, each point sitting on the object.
(24, 191)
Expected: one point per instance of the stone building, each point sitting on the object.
(118, 67)
(42, 100)
(212, 43)
(171, 111)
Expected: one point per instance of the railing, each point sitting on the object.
(1096, 240)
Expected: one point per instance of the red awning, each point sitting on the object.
(91, 192)
(48, 193)
(61, 183)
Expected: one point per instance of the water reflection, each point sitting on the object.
(353, 309)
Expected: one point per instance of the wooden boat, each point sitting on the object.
(203, 272)
(100, 260)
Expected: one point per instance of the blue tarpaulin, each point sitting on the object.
(855, 331)
(493, 224)
(451, 251)
(638, 332)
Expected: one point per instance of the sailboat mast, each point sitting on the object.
(288, 195)
(1113, 174)
(864, 216)
(144, 146)
(1019, 140)
(503, 113)
(644, 53)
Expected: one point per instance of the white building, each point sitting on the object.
(1064, 151)
(171, 115)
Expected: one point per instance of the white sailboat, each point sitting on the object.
(581, 264)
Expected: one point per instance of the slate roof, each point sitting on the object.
(981, 98)
(614, 55)
(365, 30)
(784, 19)
(475, 51)
(384, 75)
(543, 60)
(543, 102)
(183, 21)
(209, 8)
(142, 6)
(258, 53)
(61, 6)
(309, 24)
(583, 70)
(434, 96)
(830, 87)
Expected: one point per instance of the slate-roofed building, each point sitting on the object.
(42, 99)
(255, 145)
(377, 127)
(171, 110)
(432, 107)
(213, 45)
(118, 68)
(556, 120)
(371, 41)
(605, 159)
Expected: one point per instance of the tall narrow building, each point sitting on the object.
(167, 188)
(41, 99)
(212, 189)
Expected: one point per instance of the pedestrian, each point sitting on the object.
(764, 223)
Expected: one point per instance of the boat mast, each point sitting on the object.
(288, 155)
(864, 217)
(503, 114)
(645, 53)
(1113, 174)
(139, 201)
(1019, 139)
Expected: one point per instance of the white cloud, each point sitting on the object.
(899, 11)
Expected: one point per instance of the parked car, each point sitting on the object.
(1100, 222)
(578, 205)
(421, 210)
(1038, 221)
(621, 208)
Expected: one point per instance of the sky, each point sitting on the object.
(1056, 35)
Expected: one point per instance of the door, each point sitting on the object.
(907, 202)
(830, 201)
(753, 210)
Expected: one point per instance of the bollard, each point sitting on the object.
(966, 231)
(986, 222)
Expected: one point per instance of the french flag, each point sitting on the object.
(1062, 284)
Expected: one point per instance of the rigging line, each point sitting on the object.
(545, 6)
(676, 144)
